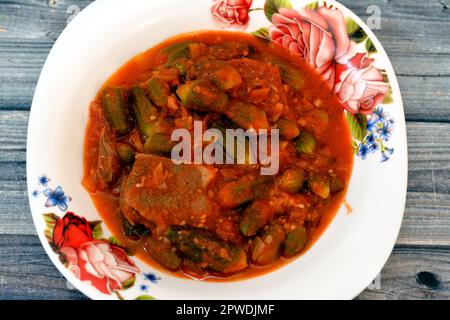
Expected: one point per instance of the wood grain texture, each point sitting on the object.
(415, 35)
(414, 273)
(26, 272)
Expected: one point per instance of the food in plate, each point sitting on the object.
(216, 221)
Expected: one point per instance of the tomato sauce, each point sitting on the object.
(320, 113)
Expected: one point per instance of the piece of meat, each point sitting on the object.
(167, 194)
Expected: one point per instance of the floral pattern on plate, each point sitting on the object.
(87, 255)
(84, 251)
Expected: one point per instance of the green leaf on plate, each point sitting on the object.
(97, 231)
(358, 125)
(145, 297)
(262, 33)
(129, 283)
(312, 6)
(355, 147)
(351, 26)
(273, 6)
(370, 47)
(115, 241)
(359, 35)
(354, 31)
(385, 76)
(50, 222)
(388, 97)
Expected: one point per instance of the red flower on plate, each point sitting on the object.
(71, 231)
(229, 13)
(319, 36)
(106, 266)
(360, 86)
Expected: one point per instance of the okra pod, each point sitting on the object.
(146, 114)
(255, 217)
(125, 152)
(158, 143)
(176, 51)
(202, 95)
(320, 186)
(292, 180)
(115, 108)
(134, 231)
(221, 74)
(306, 143)
(158, 91)
(206, 249)
(238, 192)
(248, 116)
(163, 252)
(266, 249)
(295, 242)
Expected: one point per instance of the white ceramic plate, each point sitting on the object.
(105, 35)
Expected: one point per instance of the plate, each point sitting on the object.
(108, 33)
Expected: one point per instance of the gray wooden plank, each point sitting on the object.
(408, 25)
(33, 19)
(429, 157)
(426, 220)
(27, 273)
(426, 98)
(414, 273)
(13, 135)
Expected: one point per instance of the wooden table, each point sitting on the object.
(416, 35)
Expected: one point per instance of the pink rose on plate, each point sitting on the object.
(231, 12)
(360, 86)
(106, 266)
(319, 36)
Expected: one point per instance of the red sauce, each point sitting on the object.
(336, 134)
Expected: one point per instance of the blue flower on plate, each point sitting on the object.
(371, 138)
(144, 287)
(385, 131)
(153, 278)
(43, 180)
(57, 198)
(35, 193)
(380, 114)
(374, 147)
(386, 154)
(363, 150)
(372, 123)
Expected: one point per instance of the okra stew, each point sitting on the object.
(216, 222)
